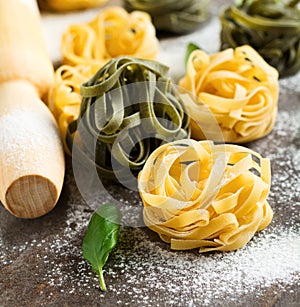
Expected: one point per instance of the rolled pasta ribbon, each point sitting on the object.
(207, 196)
(89, 46)
(129, 108)
(64, 98)
(69, 5)
(239, 88)
(171, 15)
(113, 33)
(271, 27)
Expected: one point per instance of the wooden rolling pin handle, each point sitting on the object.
(31, 156)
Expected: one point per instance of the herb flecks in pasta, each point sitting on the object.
(272, 27)
(89, 46)
(129, 108)
(207, 196)
(238, 87)
(171, 15)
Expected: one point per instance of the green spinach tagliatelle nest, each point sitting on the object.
(172, 15)
(129, 108)
(271, 27)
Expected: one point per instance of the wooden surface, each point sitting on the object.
(41, 262)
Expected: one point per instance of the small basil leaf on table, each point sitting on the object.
(101, 237)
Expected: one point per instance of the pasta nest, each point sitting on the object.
(238, 87)
(87, 47)
(174, 16)
(64, 98)
(69, 5)
(129, 108)
(113, 33)
(207, 196)
(272, 27)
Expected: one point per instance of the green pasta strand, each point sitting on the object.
(272, 27)
(129, 108)
(171, 15)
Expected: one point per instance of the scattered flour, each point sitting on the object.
(25, 132)
(151, 273)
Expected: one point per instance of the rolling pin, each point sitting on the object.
(32, 164)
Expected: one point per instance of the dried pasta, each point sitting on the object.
(64, 98)
(69, 5)
(272, 27)
(87, 47)
(207, 196)
(113, 33)
(239, 88)
(129, 108)
(174, 16)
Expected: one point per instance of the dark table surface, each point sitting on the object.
(41, 262)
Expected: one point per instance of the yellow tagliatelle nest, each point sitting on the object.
(87, 47)
(207, 196)
(238, 87)
(69, 5)
(113, 33)
(64, 98)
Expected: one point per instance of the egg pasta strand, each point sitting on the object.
(69, 5)
(207, 196)
(64, 98)
(239, 88)
(87, 47)
(113, 33)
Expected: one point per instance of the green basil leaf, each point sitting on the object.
(101, 237)
(189, 49)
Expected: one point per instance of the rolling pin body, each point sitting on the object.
(31, 155)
